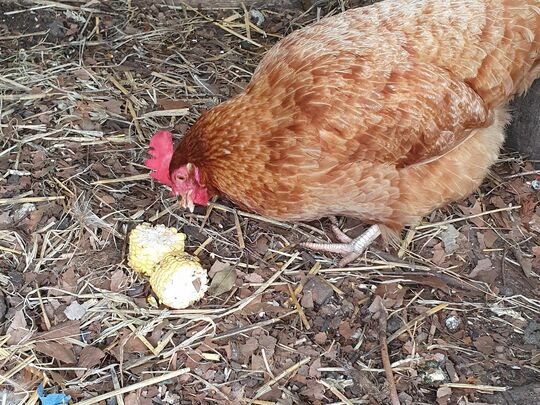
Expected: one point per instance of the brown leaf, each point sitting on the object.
(345, 330)
(118, 281)
(249, 347)
(70, 329)
(314, 368)
(134, 345)
(216, 267)
(484, 344)
(438, 254)
(392, 293)
(261, 245)
(320, 290)
(377, 308)
(168, 104)
(483, 266)
(257, 363)
(253, 278)
(132, 399)
(18, 329)
(90, 356)
(222, 282)
(431, 281)
(68, 280)
(268, 343)
(490, 237)
(62, 352)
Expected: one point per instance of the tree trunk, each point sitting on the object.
(523, 134)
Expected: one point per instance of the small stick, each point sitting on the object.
(451, 221)
(336, 392)
(299, 308)
(268, 386)
(203, 245)
(138, 129)
(406, 242)
(122, 179)
(239, 232)
(116, 385)
(136, 386)
(419, 318)
(489, 388)
(22, 200)
(45, 316)
(386, 359)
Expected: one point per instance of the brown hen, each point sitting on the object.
(382, 113)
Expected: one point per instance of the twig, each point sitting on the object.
(136, 386)
(122, 179)
(480, 387)
(268, 386)
(419, 318)
(481, 214)
(22, 200)
(386, 358)
(299, 308)
(336, 392)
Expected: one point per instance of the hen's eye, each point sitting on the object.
(180, 177)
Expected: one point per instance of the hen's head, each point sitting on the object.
(185, 180)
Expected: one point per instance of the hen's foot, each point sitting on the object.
(350, 248)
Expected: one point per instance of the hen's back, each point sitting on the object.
(402, 81)
(493, 45)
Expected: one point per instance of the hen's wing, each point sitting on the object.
(409, 114)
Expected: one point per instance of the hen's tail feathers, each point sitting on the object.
(161, 150)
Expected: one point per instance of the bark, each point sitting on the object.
(523, 134)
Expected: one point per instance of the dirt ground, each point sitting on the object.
(83, 86)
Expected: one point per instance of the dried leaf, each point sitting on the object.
(18, 329)
(70, 329)
(377, 308)
(430, 281)
(482, 270)
(438, 254)
(118, 280)
(90, 356)
(68, 280)
(216, 267)
(253, 278)
(490, 237)
(314, 368)
(75, 311)
(222, 282)
(268, 343)
(345, 330)
(485, 344)
(62, 352)
(449, 239)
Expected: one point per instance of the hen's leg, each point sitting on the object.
(338, 233)
(349, 248)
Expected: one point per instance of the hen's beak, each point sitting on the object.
(186, 201)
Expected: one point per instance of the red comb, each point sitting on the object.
(161, 150)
